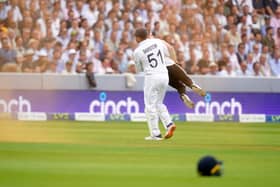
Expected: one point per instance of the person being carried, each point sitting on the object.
(178, 77)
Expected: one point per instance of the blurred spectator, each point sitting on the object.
(203, 66)
(19, 45)
(164, 26)
(181, 59)
(246, 42)
(191, 64)
(116, 29)
(142, 11)
(19, 62)
(74, 30)
(57, 60)
(213, 69)
(268, 39)
(106, 67)
(51, 67)
(229, 70)
(256, 53)
(34, 45)
(63, 37)
(72, 58)
(256, 41)
(7, 54)
(265, 24)
(275, 63)
(113, 63)
(230, 22)
(243, 3)
(256, 24)
(80, 68)
(90, 12)
(41, 64)
(112, 41)
(121, 61)
(185, 46)
(97, 64)
(25, 33)
(250, 61)
(226, 69)
(275, 20)
(219, 15)
(233, 59)
(68, 68)
(98, 43)
(243, 27)
(4, 8)
(47, 45)
(243, 70)
(27, 64)
(266, 52)
(42, 22)
(277, 39)
(257, 70)
(241, 55)
(234, 36)
(265, 69)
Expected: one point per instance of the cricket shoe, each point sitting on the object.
(198, 90)
(187, 101)
(157, 138)
(170, 131)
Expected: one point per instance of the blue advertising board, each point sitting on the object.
(227, 105)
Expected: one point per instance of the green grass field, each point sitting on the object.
(95, 154)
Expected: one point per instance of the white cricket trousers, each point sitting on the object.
(154, 92)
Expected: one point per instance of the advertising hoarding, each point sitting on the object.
(130, 102)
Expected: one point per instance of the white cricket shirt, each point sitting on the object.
(150, 56)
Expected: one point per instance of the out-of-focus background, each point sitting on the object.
(211, 37)
(71, 101)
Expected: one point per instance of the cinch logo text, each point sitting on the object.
(113, 107)
(213, 107)
(15, 105)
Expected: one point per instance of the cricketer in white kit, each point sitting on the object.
(150, 57)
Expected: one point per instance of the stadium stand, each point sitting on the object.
(217, 37)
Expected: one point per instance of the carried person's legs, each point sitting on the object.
(176, 72)
(179, 86)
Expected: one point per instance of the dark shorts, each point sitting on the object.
(178, 78)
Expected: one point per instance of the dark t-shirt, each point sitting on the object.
(258, 4)
(271, 3)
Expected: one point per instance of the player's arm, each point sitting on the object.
(171, 51)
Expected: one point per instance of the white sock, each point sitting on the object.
(164, 116)
(152, 119)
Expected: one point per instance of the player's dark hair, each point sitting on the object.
(141, 33)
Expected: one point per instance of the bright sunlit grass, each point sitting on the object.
(71, 154)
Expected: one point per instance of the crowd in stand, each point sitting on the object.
(211, 37)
